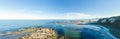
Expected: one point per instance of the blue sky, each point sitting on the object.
(58, 9)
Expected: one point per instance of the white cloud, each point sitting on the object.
(41, 15)
(16, 16)
(75, 15)
(19, 15)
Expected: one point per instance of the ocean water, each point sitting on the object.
(8, 25)
(72, 30)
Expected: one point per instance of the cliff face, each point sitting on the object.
(112, 21)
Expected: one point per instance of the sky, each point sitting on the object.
(58, 9)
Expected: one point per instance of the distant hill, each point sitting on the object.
(112, 21)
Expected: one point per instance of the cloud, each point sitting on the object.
(41, 15)
(76, 15)
(20, 15)
(16, 16)
(27, 14)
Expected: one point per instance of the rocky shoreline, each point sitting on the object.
(34, 33)
(41, 33)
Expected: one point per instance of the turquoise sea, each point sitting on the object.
(84, 31)
(8, 25)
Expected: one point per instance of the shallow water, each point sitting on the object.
(8, 25)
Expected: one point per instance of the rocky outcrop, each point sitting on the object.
(42, 33)
(112, 21)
